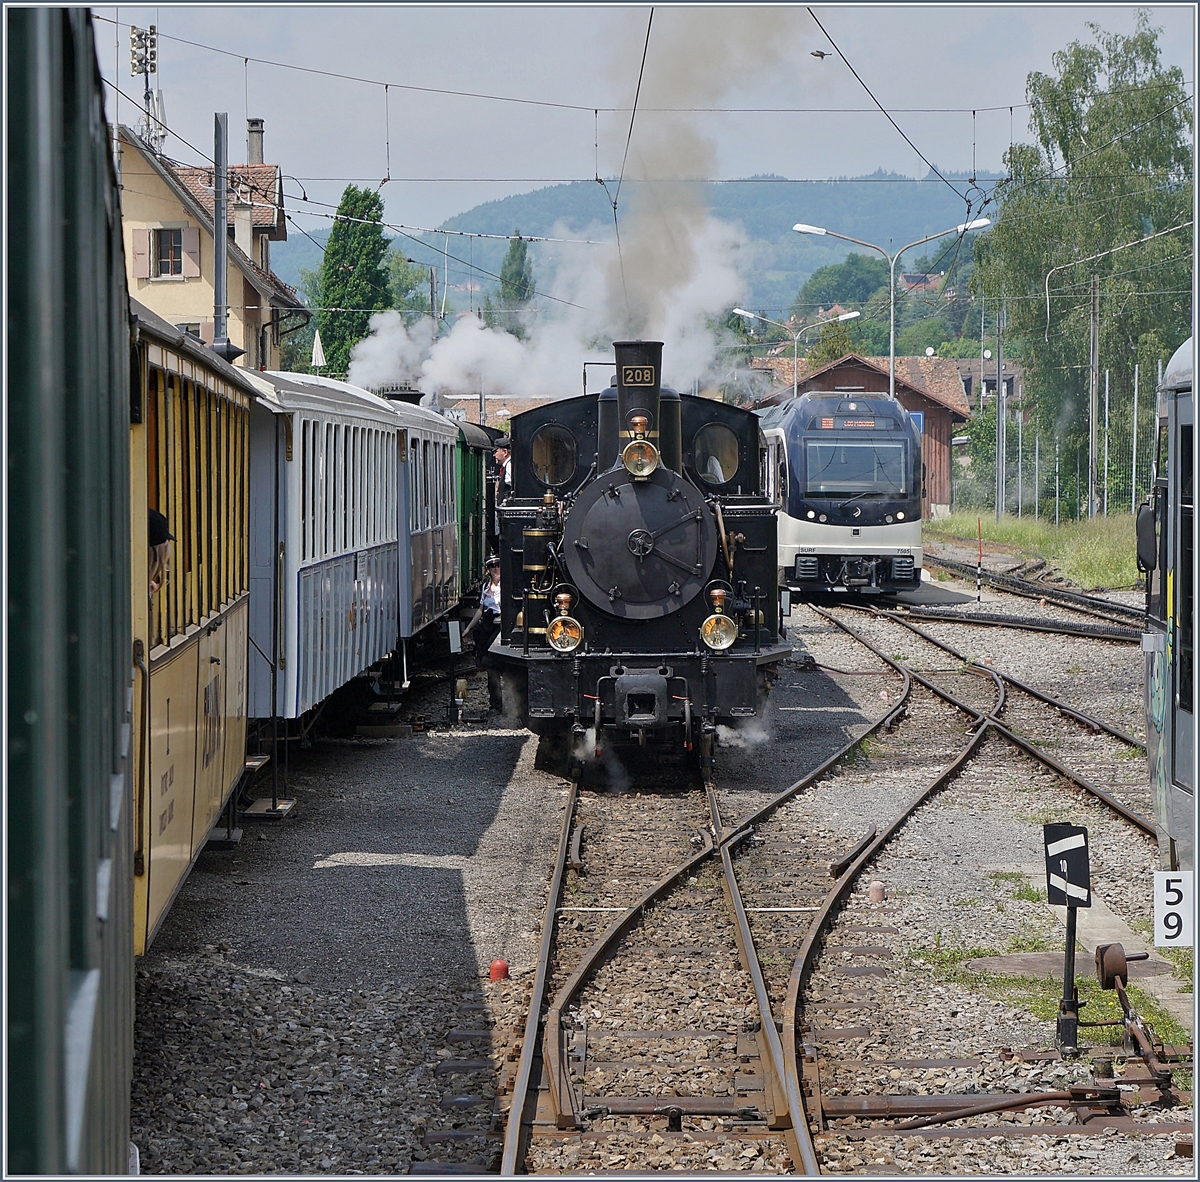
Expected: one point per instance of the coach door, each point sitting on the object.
(1183, 737)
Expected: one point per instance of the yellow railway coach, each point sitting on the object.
(189, 462)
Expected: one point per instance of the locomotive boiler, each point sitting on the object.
(640, 600)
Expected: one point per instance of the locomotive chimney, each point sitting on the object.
(639, 377)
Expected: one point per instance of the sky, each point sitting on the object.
(446, 153)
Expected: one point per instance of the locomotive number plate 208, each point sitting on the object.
(637, 375)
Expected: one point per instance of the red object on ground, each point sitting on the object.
(499, 970)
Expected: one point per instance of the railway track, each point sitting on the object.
(1093, 605)
(1086, 748)
(707, 976)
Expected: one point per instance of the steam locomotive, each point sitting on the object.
(640, 599)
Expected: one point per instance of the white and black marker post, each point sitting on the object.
(979, 563)
(1068, 884)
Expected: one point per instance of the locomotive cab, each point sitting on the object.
(639, 593)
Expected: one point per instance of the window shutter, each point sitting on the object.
(141, 254)
(191, 252)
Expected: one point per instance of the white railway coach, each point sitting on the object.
(351, 548)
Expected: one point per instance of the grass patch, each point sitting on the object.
(1007, 876)
(1039, 996)
(1046, 816)
(1026, 941)
(966, 902)
(1093, 554)
(1029, 893)
(1182, 964)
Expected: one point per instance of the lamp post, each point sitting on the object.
(796, 336)
(977, 224)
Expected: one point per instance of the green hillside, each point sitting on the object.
(883, 208)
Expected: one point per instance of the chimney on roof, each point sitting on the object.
(254, 141)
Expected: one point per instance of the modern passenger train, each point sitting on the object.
(638, 562)
(1166, 537)
(851, 475)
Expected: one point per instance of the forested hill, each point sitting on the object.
(883, 208)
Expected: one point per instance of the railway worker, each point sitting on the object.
(503, 457)
(502, 454)
(160, 549)
(485, 623)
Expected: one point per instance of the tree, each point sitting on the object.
(352, 276)
(517, 289)
(295, 349)
(408, 282)
(853, 281)
(835, 343)
(1112, 164)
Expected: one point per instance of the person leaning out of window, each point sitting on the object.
(160, 549)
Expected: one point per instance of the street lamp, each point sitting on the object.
(796, 336)
(977, 224)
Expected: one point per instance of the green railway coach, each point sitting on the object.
(69, 910)
(474, 447)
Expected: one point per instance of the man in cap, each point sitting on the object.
(502, 454)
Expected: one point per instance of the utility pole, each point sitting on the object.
(1106, 443)
(1001, 415)
(1133, 476)
(1094, 398)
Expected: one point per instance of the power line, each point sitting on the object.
(884, 110)
(500, 98)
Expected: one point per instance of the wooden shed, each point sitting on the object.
(929, 385)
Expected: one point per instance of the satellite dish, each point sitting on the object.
(987, 354)
(929, 351)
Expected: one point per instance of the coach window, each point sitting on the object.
(552, 453)
(715, 453)
(425, 484)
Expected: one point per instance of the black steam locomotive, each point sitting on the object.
(640, 600)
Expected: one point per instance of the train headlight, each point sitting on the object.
(564, 634)
(900, 514)
(640, 458)
(718, 632)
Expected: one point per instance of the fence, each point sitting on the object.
(1046, 471)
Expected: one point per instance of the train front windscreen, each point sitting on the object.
(862, 467)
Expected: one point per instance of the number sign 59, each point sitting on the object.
(1174, 903)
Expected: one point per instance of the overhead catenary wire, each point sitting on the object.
(885, 111)
(1102, 254)
(500, 98)
(624, 159)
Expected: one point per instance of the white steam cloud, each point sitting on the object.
(676, 268)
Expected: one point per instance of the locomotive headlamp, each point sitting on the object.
(900, 514)
(640, 458)
(564, 634)
(811, 514)
(718, 632)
